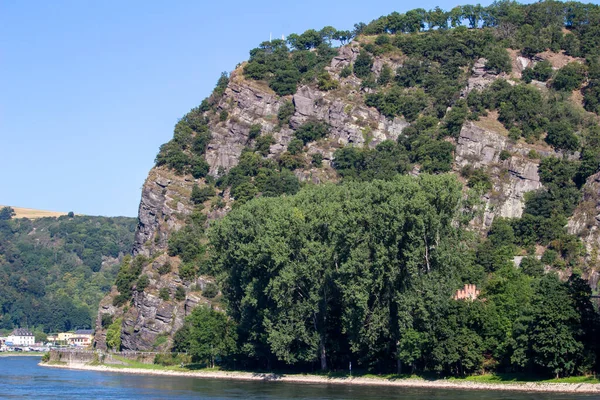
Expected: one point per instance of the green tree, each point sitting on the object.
(142, 283)
(164, 294)
(498, 60)
(311, 131)
(113, 335)
(180, 293)
(199, 195)
(385, 76)
(552, 331)
(322, 280)
(569, 77)
(211, 335)
(286, 110)
(363, 64)
(7, 213)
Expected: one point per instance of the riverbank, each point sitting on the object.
(362, 381)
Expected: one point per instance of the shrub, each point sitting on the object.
(106, 319)
(200, 195)
(210, 290)
(113, 335)
(532, 266)
(295, 146)
(498, 60)
(286, 110)
(569, 77)
(254, 131)
(223, 115)
(382, 39)
(263, 144)
(542, 71)
(317, 160)
(164, 294)
(165, 268)
(201, 140)
(514, 133)
(533, 155)
(199, 167)
(142, 283)
(363, 64)
(562, 136)
(187, 271)
(591, 96)
(346, 71)
(312, 131)
(549, 257)
(504, 155)
(385, 76)
(290, 161)
(179, 293)
(369, 82)
(120, 299)
(479, 179)
(325, 82)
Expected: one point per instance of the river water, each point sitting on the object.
(22, 378)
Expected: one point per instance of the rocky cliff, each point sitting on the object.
(163, 208)
(165, 203)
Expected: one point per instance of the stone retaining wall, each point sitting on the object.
(80, 357)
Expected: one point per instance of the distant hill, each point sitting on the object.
(55, 270)
(31, 213)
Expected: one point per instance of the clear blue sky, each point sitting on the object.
(89, 90)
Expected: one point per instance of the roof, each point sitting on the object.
(84, 332)
(21, 332)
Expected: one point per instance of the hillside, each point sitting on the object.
(456, 147)
(55, 270)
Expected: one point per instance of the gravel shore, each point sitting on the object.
(315, 379)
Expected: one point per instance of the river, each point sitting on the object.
(22, 378)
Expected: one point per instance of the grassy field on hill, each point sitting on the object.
(31, 213)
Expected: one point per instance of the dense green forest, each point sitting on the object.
(365, 270)
(52, 275)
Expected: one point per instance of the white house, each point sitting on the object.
(21, 337)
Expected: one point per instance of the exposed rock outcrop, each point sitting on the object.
(512, 177)
(585, 223)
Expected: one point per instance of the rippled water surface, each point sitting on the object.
(21, 377)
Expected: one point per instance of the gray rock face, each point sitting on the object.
(151, 317)
(345, 57)
(105, 307)
(480, 77)
(350, 123)
(162, 210)
(163, 207)
(585, 223)
(512, 178)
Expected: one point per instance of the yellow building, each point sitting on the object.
(82, 338)
(65, 336)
